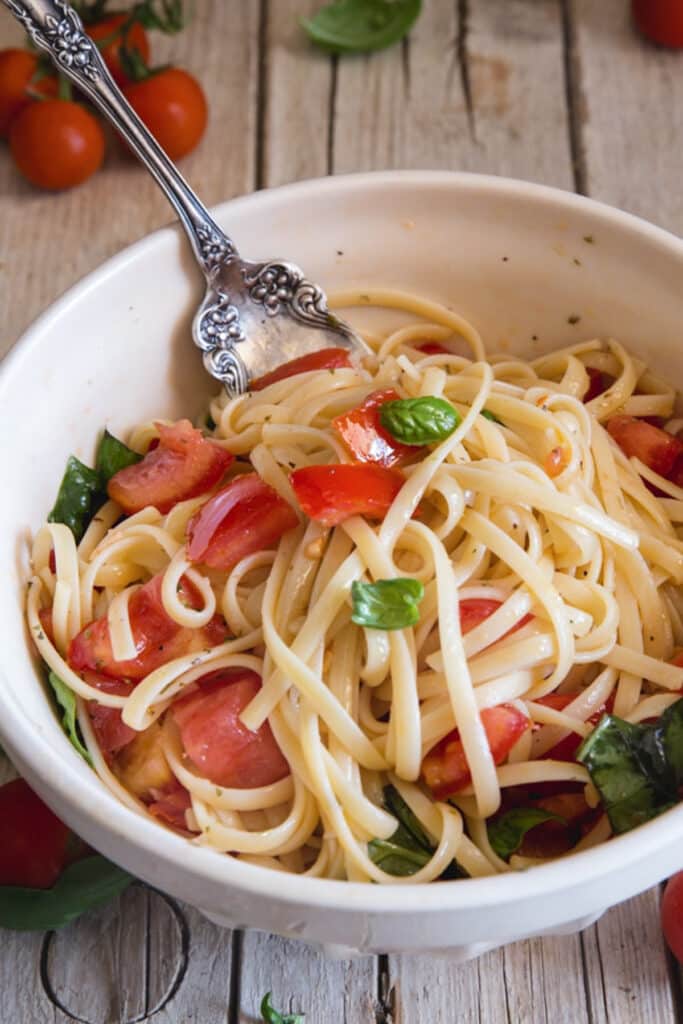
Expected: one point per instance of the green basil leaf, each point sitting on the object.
(396, 859)
(113, 455)
(86, 884)
(78, 497)
(507, 832)
(386, 604)
(66, 699)
(488, 415)
(271, 1016)
(408, 822)
(410, 847)
(360, 26)
(418, 421)
(636, 768)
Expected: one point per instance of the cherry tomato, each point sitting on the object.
(445, 768)
(598, 383)
(110, 38)
(34, 844)
(366, 438)
(17, 67)
(475, 610)
(183, 465)
(672, 915)
(331, 494)
(660, 20)
(110, 730)
(56, 144)
(158, 638)
(653, 446)
(172, 104)
(219, 745)
(170, 804)
(325, 359)
(245, 517)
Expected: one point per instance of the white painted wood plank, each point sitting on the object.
(50, 240)
(625, 965)
(481, 93)
(298, 80)
(302, 979)
(22, 998)
(629, 101)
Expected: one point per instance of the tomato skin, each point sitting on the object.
(158, 638)
(474, 611)
(135, 38)
(110, 730)
(17, 67)
(245, 517)
(325, 359)
(169, 805)
(672, 915)
(183, 465)
(219, 745)
(653, 446)
(173, 106)
(35, 843)
(56, 144)
(566, 749)
(598, 383)
(660, 20)
(365, 437)
(445, 768)
(433, 348)
(331, 494)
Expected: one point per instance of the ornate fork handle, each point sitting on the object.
(54, 26)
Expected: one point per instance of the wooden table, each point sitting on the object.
(555, 91)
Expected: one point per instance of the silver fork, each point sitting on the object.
(254, 315)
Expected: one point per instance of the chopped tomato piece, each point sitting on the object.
(331, 494)
(366, 438)
(657, 449)
(45, 616)
(474, 610)
(445, 768)
(325, 359)
(35, 843)
(566, 800)
(598, 383)
(245, 517)
(158, 638)
(566, 749)
(110, 730)
(170, 804)
(183, 465)
(433, 348)
(218, 744)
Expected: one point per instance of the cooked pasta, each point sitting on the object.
(540, 564)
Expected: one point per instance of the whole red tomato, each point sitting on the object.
(17, 68)
(56, 144)
(172, 104)
(34, 843)
(672, 915)
(110, 37)
(660, 20)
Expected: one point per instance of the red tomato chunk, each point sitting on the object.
(170, 804)
(445, 768)
(366, 438)
(158, 638)
(221, 748)
(110, 730)
(331, 494)
(35, 843)
(475, 610)
(326, 359)
(566, 749)
(183, 465)
(245, 517)
(598, 383)
(653, 446)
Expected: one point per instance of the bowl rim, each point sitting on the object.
(111, 816)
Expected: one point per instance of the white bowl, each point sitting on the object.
(519, 260)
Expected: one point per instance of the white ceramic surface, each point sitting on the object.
(517, 259)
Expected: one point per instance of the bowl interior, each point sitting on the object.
(533, 268)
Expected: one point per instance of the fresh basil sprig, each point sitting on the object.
(271, 1016)
(418, 421)
(83, 885)
(507, 832)
(66, 699)
(637, 769)
(386, 604)
(360, 26)
(409, 848)
(83, 490)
